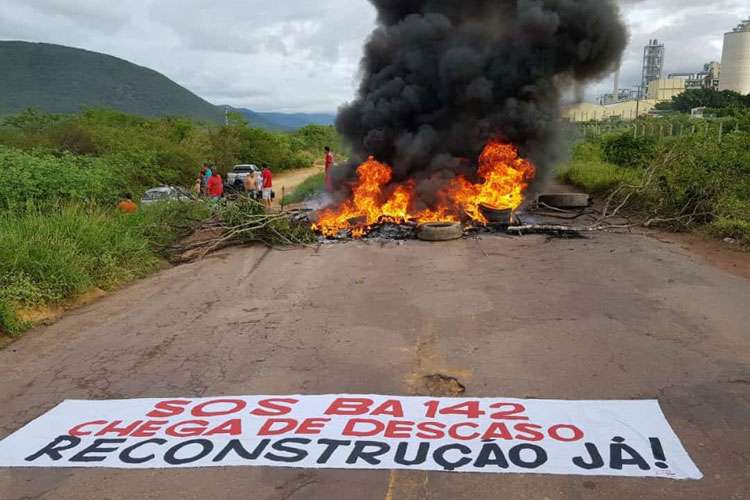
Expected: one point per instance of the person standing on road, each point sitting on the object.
(215, 187)
(329, 166)
(251, 185)
(127, 206)
(199, 184)
(267, 186)
(207, 177)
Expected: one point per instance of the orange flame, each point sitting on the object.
(505, 176)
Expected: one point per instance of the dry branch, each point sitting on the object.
(258, 228)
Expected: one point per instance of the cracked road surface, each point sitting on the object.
(610, 317)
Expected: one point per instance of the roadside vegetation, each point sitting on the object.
(311, 187)
(694, 180)
(62, 176)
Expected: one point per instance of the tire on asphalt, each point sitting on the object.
(565, 200)
(440, 231)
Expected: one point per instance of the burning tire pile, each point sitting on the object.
(374, 202)
(457, 112)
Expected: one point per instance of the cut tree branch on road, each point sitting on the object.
(240, 222)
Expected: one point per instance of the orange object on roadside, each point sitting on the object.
(127, 207)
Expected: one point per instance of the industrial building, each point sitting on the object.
(626, 110)
(733, 73)
(665, 89)
(706, 79)
(653, 64)
(735, 63)
(653, 68)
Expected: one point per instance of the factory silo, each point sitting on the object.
(735, 62)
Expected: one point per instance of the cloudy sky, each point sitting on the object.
(300, 55)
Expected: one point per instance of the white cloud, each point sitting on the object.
(299, 55)
(691, 30)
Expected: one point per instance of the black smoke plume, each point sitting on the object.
(442, 77)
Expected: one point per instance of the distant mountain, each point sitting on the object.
(255, 119)
(58, 79)
(297, 120)
(282, 121)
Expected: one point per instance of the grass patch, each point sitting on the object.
(309, 188)
(48, 258)
(587, 170)
(596, 177)
(728, 228)
(10, 324)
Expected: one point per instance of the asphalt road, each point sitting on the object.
(610, 317)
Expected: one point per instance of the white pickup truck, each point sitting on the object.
(236, 178)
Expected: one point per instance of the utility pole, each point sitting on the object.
(226, 115)
(638, 104)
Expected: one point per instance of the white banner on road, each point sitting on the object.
(593, 438)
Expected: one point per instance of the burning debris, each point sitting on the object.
(457, 109)
(504, 176)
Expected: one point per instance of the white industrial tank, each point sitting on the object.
(735, 62)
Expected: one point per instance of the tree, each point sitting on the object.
(706, 98)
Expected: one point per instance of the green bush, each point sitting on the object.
(695, 180)
(278, 149)
(586, 152)
(43, 180)
(133, 153)
(625, 150)
(698, 175)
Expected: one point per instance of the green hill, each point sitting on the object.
(58, 79)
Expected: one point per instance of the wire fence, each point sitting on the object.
(661, 128)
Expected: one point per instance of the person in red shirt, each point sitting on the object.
(329, 165)
(215, 187)
(267, 186)
(127, 206)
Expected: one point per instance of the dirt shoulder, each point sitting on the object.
(289, 181)
(727, 257)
